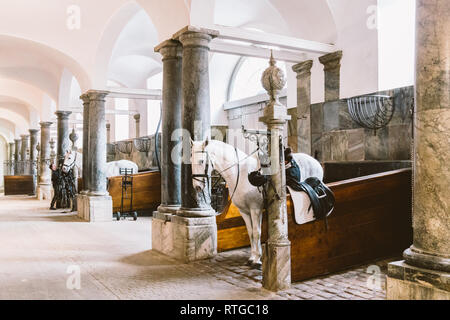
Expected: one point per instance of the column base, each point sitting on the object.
(420, 258)
(196, 213)
(276, 266)
(172, 209)
(406, 282)
(95, 208)
(183, 238)
(44, 192)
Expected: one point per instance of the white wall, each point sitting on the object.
(396, 36)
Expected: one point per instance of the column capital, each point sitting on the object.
(85, 98)
(33, 131)
(18, 140)
(63, 115)
(303, 68)
(137, 116)
(191, 36)
(45, 124)
(170, 49)
(24, 136)
(331, 61)
(98, 95)
(108, 126)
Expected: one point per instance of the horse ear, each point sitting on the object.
(207, 141)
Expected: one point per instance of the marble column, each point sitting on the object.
(63, 143)
(137, 119)
(25, 147)
(17, 156)
(425, 273)
(277, 250)
(171, 52)
(304, 141)
(44, 190)
(33, 156)
(332, 69)
(33, 151)
(11, 159)
(196, 118)
(85, 170)
(96, 204)
(108, 133)
(191, 234)
(24, 163)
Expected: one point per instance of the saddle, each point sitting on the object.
(321, 197)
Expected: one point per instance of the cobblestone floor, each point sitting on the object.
(40, 249)
(367, 282)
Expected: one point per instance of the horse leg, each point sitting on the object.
(256, 216)
(248, 223)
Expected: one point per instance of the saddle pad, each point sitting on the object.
(301, 203)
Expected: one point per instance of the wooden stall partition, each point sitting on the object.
(146, 191)
(18, 185)
(371, 220)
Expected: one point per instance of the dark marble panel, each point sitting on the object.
(400, 142)
(331, 116)
(317, 118)
(377, 146)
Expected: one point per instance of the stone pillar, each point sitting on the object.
(304, 141)
(33, 156)
(196, 118)
(17, 156)
(277, 250)
(332, 68)
(25, 146)
(191, 234)
(11, 158)
(85, 173)
(95, 205)
(137, 118)
(63, 135)
(425, 273)
(171, 52)
(44, 190)
(24, 168)
(108, 133)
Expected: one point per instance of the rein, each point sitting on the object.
(73, 162)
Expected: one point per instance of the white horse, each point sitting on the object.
(74, 158)
(227, 161)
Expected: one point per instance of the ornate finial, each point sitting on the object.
(272, 60)
(73, 137)
(273, 79)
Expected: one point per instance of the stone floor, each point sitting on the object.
(41, 252)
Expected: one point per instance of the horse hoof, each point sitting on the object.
(257, 265)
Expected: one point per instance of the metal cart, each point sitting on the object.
(127, 194)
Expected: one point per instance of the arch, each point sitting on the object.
(40, 61)
(21, 124)
(7, 129)
(23, 92)
(108, 40)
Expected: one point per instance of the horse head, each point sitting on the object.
(201, 164)
(69, 161)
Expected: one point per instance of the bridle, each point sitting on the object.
(207, 172)
(69, 166)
